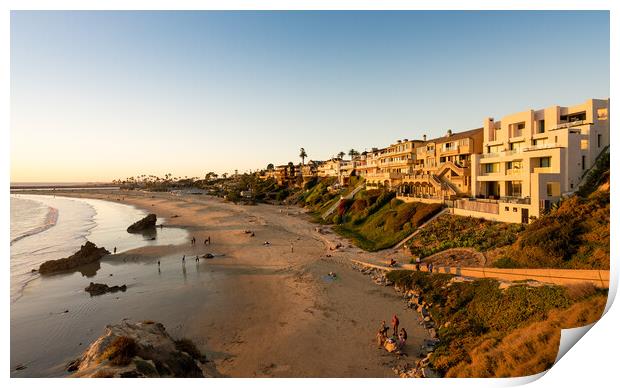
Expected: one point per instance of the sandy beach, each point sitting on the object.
(256, 310)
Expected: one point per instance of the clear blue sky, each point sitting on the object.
(103, 95)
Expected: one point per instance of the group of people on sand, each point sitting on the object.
(394, 342)
(207, 240)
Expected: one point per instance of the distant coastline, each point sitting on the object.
(16, 186)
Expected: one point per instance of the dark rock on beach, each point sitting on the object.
(100, 288)
(145, 224)
(88, 253)
(139, 349)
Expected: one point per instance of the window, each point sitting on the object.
(516, 146)
(601, 113)
(553, 189)
(540, 141)
(545, 162)
(490, 167)
(583, 162)
(521, 126)
(584, 144)
(599, 139)
(514, 209)
(507, 208)
(541, 126)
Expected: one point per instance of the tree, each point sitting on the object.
(302, 155)
(270, 167)
(353, 153)
(341, 155)
(291, 168)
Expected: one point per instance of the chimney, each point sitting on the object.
(424, 137)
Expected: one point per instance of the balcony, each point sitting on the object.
(543, 170)
(514, 171)
(575, 123)
(516, 200)
(541, 147)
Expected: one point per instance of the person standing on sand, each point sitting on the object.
(380, 339)
(384, 329)
(115, 250)
(209, 239)
(402, 338)
(291, 247)
(183, 259)
(395, 324)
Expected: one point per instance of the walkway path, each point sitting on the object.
(599, 278)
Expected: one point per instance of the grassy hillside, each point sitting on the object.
(375, 220)
(449, 231)
(575, 234)
(486, 331)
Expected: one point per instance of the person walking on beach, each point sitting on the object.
(197, 258)
(183, 259)
(115, 250)
(291, 247)
(158, 263)
(206, 241)
(209, 239)
(395, 323)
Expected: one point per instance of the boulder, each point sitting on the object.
(100, 289)
(88, 253)
(139, 349)
(147, 223)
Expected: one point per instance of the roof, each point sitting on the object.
(455, 136)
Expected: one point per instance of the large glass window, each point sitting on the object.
(545, 162)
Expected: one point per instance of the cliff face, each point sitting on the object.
(87, 254)
(139, 349)
(147, 223)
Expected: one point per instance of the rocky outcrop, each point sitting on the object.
(100, 288)
(145, 224)
(139, 349)
(88, 253)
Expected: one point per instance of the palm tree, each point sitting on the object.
(353, 153)
(302, 155)
(291, 168)
(270, 167)
(341, 155)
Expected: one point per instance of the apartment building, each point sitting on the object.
(337, 168)
(530, 159)
(441, 168)
(386, 167)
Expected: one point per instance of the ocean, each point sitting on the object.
(45, 227)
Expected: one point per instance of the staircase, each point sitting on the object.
(450, 166)
(333, 207)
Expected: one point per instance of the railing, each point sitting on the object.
(571, 124)
(516, 200)
(541, 147)
(514, 171)
(474, 205)
(543, 170)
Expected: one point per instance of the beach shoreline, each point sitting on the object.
(264, 310)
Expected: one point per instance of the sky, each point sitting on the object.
(101, 95)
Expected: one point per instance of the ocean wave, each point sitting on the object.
(50, 220)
